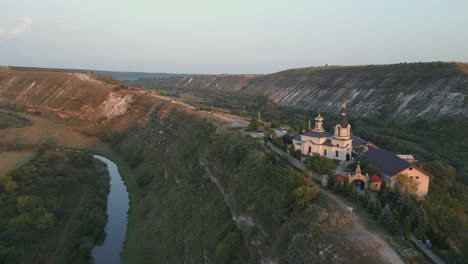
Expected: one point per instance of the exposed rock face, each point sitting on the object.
(85, 98)
(402, 91)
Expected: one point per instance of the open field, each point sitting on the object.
(10, 160)
(46, 131)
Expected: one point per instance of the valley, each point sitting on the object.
(201, 189)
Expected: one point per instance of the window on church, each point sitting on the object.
(339, 131)
(324, 152)
(337, 154)
(337, 145)
(417, 177)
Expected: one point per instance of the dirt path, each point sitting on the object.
(388, 255)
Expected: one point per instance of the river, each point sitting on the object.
(117, 209)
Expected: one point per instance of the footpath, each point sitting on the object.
(429, 253)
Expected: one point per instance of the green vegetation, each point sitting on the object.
(171, 196)
(439, 217)
(320, 164)
(53, 209)
(12, 120)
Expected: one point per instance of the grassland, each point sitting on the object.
(46, 131)
(10, 160)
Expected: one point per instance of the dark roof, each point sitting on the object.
(357, 141)
(298, 137)
(328, 143)
(384, 161)
(318, 134)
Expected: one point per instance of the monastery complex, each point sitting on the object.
(345, 147)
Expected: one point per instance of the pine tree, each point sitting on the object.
(365, 199)
(377, 210)
(403, 204)
(370, 206)
(386, 217)
(407, 227)
(395, 226)
(421, 232)
(383, 193)
(346, 189)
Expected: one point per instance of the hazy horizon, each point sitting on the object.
(213, 37)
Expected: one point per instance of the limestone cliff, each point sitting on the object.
(401, 91)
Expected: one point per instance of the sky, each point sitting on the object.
(239, 36)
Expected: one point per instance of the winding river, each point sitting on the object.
(116, 227)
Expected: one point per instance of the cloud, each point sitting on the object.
(21, 29)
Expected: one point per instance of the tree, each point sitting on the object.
(406, 184)
(10, 186)
(305, 194)
(403, 204)
(45, 221)
(370, 206)
(377, 210)
(407, 227)
(337, 185)
(346, 188)
(366, 198)
(226, 248)
(28, 203)
(320, 164)
(253, 125)
(444, 173)
(382, 194)
(395, 226)
(421, 232)
(19, 222)
(386, 217)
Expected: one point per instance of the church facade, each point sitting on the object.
(338, 145)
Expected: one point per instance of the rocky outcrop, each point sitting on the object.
(404, 92)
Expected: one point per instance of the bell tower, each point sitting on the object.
(343, 128)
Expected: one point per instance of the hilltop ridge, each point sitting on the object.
(83, 99)
(404, 92)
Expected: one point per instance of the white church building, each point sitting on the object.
(338, 145)
(341, 145)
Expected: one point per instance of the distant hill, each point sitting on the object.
(403, 92)
(132, 76)
(120, 75)
(84, 99)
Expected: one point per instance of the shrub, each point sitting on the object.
(305, 194)
(227, 247)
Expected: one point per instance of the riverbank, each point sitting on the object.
(133, 192)
(117, 209)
